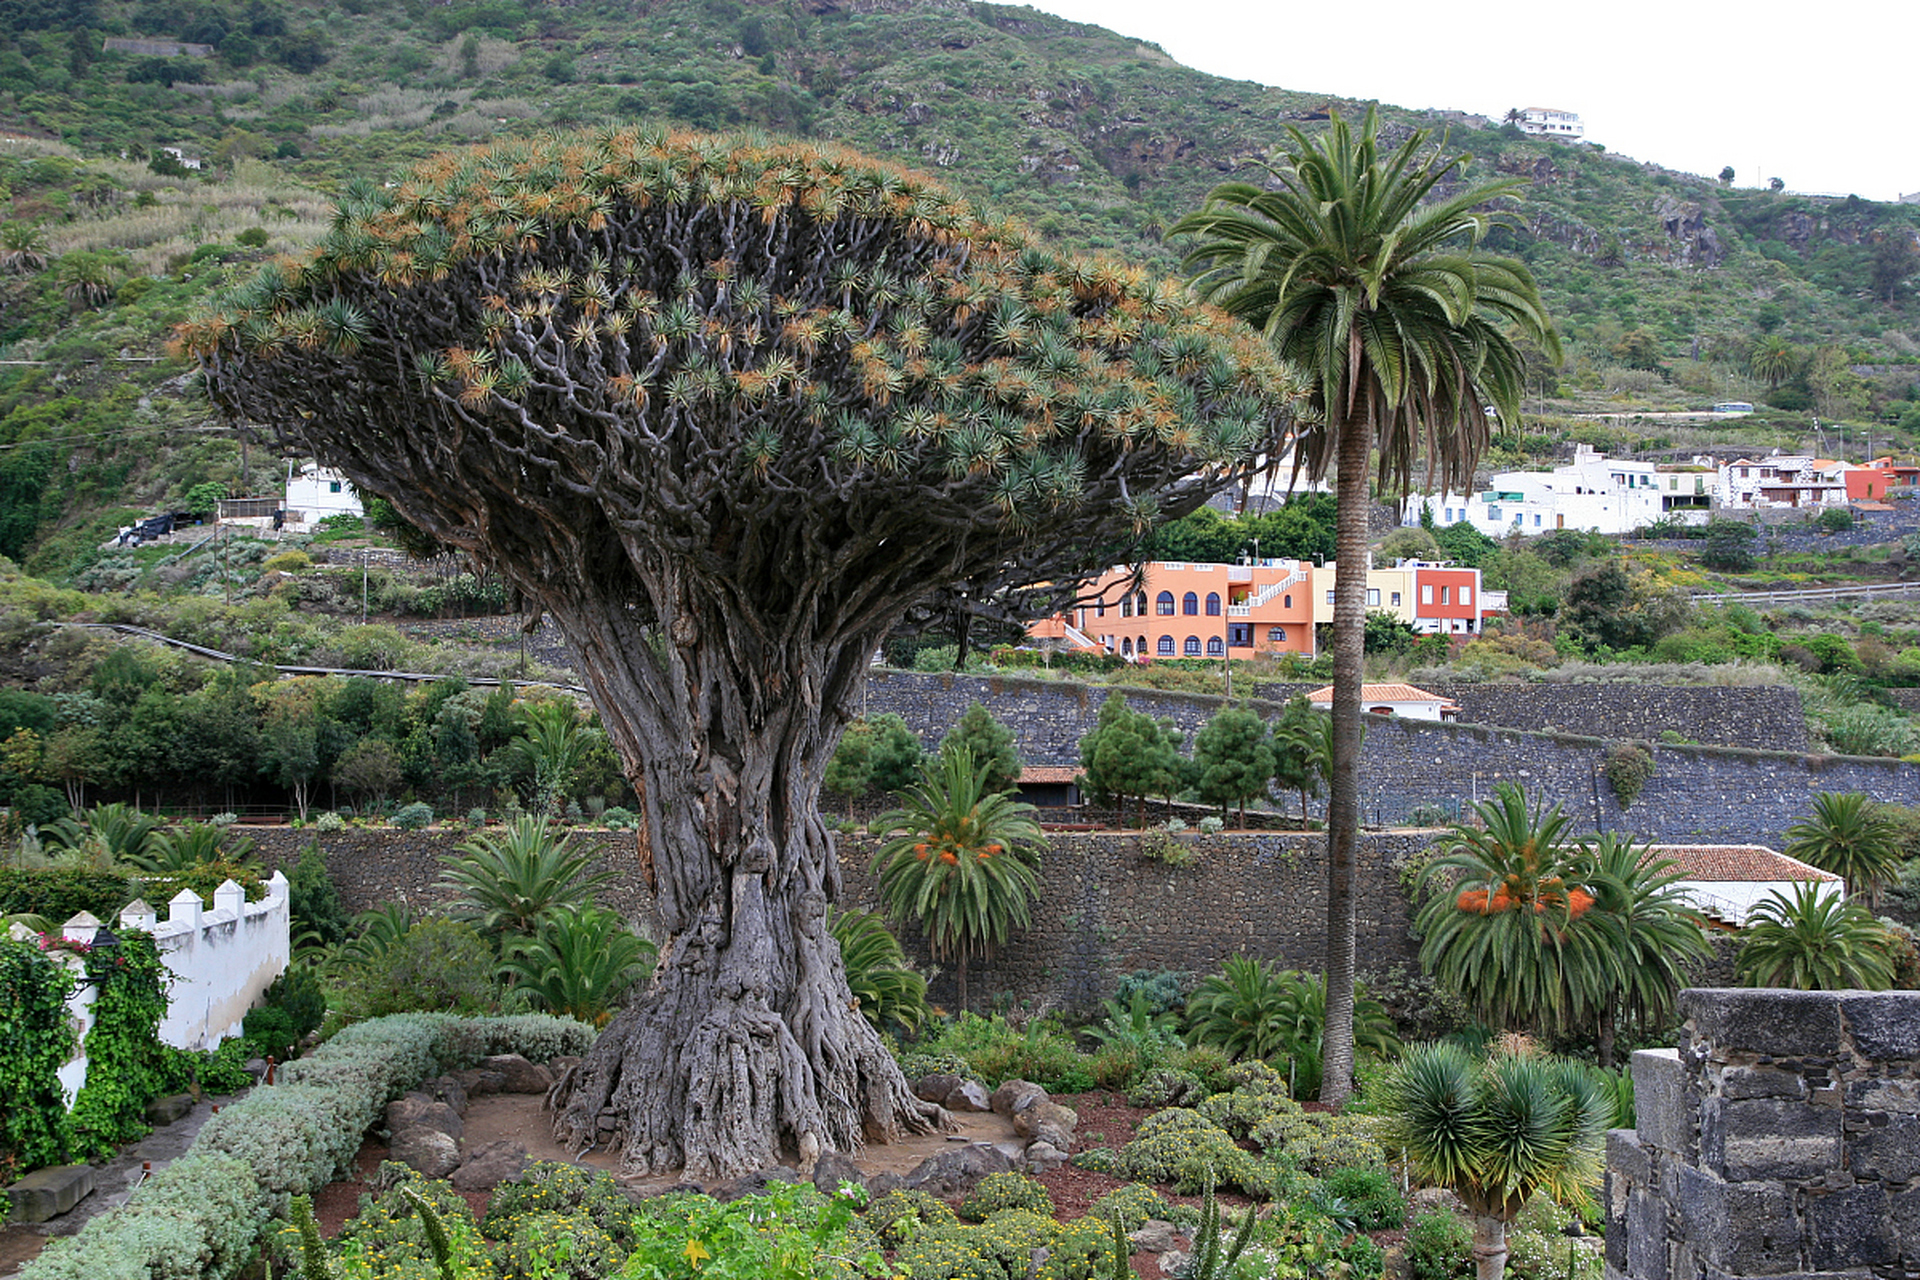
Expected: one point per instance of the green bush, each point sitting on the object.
(1185, 1148)
(1000, 1191)
(61, 893)
(439, 965)
(1099, 1160)
(1439, 1245)
(388, 1238)
(270, 1031)
(1133, 1204)
(528, 1252)
(1167, 1087)
(1321, 1143)
(313, 899)
(414, 817)
(197, 1219)
(1045, 1053)
(1004, 1248)
(1370, 1194)
(551, 1187)
(898, 1216)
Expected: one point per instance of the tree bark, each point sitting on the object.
(1489, 1247)
(1343, 786)
(745, 1049)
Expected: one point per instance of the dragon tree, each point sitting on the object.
(726, 410)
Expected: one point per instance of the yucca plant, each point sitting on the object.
(580, 963)
(1496, 1132)
(1812, 939)
(960, 860)
(892, 996)
(377, 931)
(510, 881)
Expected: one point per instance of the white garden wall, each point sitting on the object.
(222, 960)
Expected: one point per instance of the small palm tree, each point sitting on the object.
(1773, 360)
(553, 743)
(190, 846)
(123, 832)
(1509, 922)
(1814, 941)
(959, 859)
(510, 882)
(1850, 836)
(892, 996)
(1253, 1010)
(1658, 933)
(23, 247)
(580, 962)
(1497, 1132)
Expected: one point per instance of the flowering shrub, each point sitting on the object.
(549, 1188)
(1166, 1087)
(1183, 1147)
(898, 1216)
(1000, 1191)
(789, 1232)
(1003, 1248)
(1133, 1204)
(329, 822)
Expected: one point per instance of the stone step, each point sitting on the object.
(164, 1111)
(47, 1193)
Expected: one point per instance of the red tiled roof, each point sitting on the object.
(1381, 693)
(1051, 773)
(1738, 862)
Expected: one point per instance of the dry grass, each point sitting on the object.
(187, 214)
(490, 56)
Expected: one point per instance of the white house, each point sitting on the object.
(1783, 480)
(1393, 700)
(314, 493)
(1727, 881)
(1591, 492)
(1551, 122)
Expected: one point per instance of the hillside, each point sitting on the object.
(1664, 283)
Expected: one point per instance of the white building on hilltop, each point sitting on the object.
(1551, 122)
(315, 492)
(1592, 492)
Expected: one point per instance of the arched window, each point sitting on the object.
(1213, 604)
(1099, 608)
(1287, 601)
(1192, 647)
(1163, 604)
(1166, 646)
(1215, 647)
(1142, 646)
(1277, 635)
(1191, 605)
(1126, 646)
(1140, 604)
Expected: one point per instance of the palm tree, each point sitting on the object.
(892, 996)
(1510, 923)
(1496, 1133)
(511, 882)
(1398, 314)
(1814, 941)
(1850, 836)
(1773, 360)
(1252, 1010)
(580, 962)
(960, 859)
(553, 743)
(1658, 932)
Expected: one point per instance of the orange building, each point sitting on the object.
(1187, 610)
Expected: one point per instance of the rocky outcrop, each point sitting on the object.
(1690, 239)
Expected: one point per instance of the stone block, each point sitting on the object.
(1758, 1138)
(1885, 1024)
(164, 1111)
(1745, 1228)
(1889, 1152)
(1763, 1020)
(1903, 1215)
(1628, 1158)
(1850, 1227)
(1895, 1097)
(1664, 1109)
(47, 1193)
(1762, 1082)
(1646, 1237)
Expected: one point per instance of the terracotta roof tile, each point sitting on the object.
(1381, 693)
(1051, 773)
(1738, 862)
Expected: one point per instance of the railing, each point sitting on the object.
(1808, 594)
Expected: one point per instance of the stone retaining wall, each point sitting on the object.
(1781, 1139)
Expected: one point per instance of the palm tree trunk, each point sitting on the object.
(962, 974)
(1343, 787)
(1603, 1042)
(1489, 1247)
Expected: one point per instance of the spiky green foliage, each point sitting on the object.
(513, 880)
(1253, 1009)
(960, 861)
(553, 742)
(1496, 1132)
(580, 963)
(1356, 268)
(1654, 929)
(1849, 835)
(1811, 939)
(190, 846)
(892, 996)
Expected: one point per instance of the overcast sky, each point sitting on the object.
(1819, 95)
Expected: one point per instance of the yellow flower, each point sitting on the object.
(696, 1254)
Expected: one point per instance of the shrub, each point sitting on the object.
(617, 818)
(390, 1236)
(1133, 1204)
(551, 1187)
(528, 1252)
(1008, 1247)
(898, 1216)
(1628, 766)
(197, 1219)
(1185, 1148)
(61, 893)
(1245, 1110)
(288, 562)
(204, 879)
(329, 822)
(314, 900)
(413, 817)
(1370, 1195)
(1439, 1243)
(994, 1051)
(439, 965)
(1000, 1191)
(1167, 1087)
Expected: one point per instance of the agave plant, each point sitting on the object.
(1814, 941)
(959, 859)
(580, 963)
(892, 996)
(510, 882)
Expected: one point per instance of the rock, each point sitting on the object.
(448, 1090)
(1175, 1263)
(47, 1193)
(1158, 1236)
(1042, 1156)
(834, 1168)
(417, 1110)
(955, 1172)
(1047, 1122)
(752, 1184)
(968, 1095)
(1433, 1198)
(427, 1152)
(1014, 1096)
(491, 1165)
(255, 1067)
(164, 1111)
(881, 1183)
(521, 1076)
(478, 1083)
(935, 1088)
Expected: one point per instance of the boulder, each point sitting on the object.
(1042, 1156)
(448, 1090)
(1014, 1096)
(834, 1168)
(164, 1111)
(491, 1165)
(935, 1088)
(428, 1152)
(47, 1193)
(1158, 1236)
(478, 1082)
(1047, 1121)
(521, 1076)
(417, 1110)
(968, 1095)
(1175, 1263)
(881, 1183)
(955, 1172)
(752, 1184)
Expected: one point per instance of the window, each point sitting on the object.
(1126, 647)
(1536, 519)
(1287, 601)
(1192, 647)
(1214, 648)
(1426, 593)
(1166, 646)
(1493, 515)
(1126, 606)
(1140, 604)
(1099, 608)
(1163, 604)
(1444, 592)
(1396, 599)
(1213, 604)
(1329, 597)
(1373, 597)
(1143, 646)
(1466, 594)
(1240, 635)
(1276, 635)
(333, 486)
(1190, 605)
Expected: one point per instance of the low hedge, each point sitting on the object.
(61, 893)
(201, 1217)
